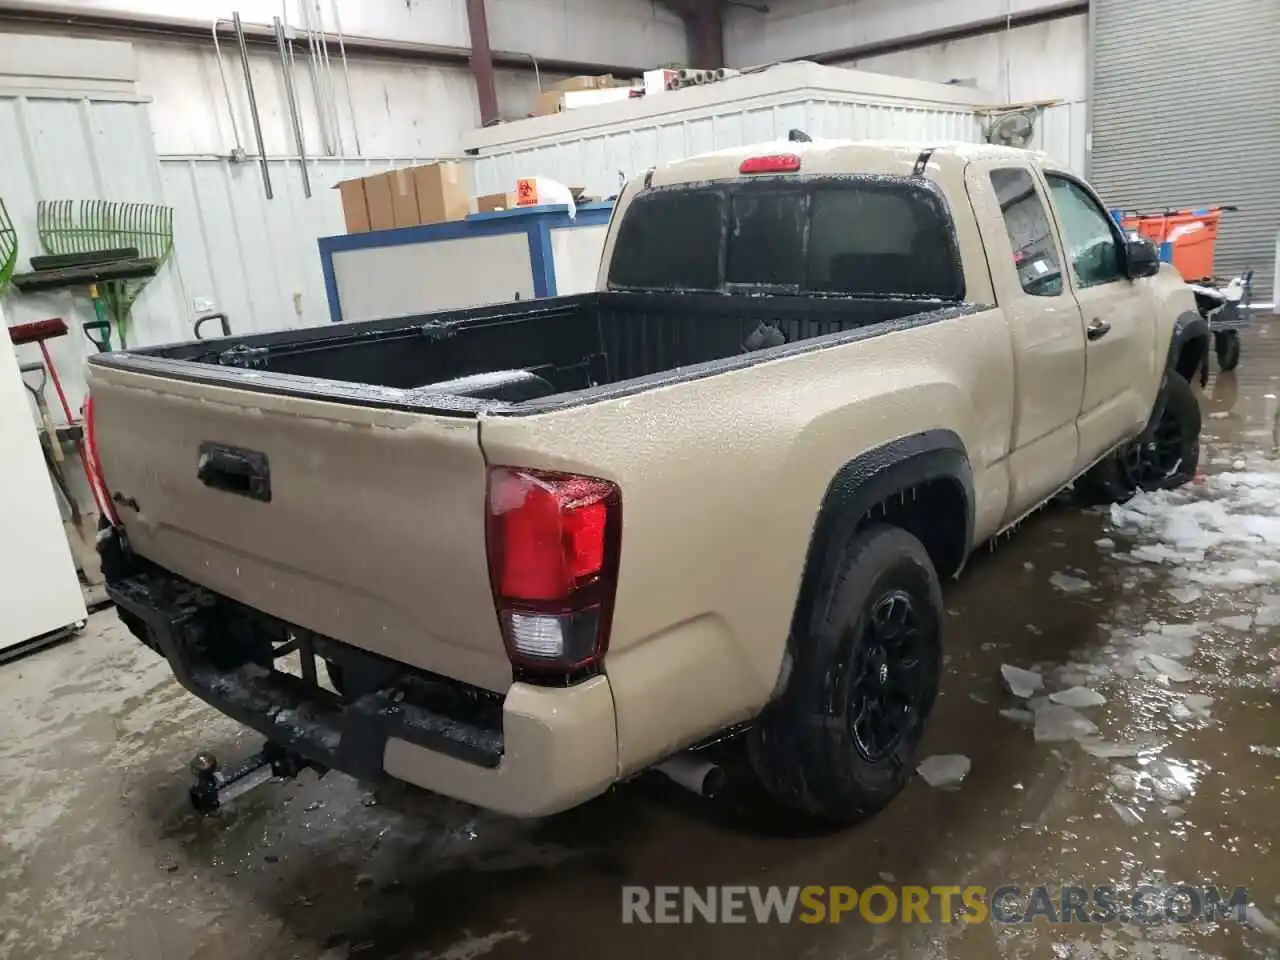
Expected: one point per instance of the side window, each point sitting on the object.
(1091, 242)
(1035, 255)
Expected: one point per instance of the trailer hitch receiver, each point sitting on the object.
(215, 786)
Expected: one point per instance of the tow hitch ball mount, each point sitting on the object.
(215, 786)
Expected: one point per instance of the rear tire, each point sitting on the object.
(841, 741)
(1227, 346)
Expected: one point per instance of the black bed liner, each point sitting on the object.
(579, 348)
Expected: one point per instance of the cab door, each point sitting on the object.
(1027, 265)
(1119, 327)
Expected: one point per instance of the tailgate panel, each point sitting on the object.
(373, 534)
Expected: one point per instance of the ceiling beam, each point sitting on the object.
(704, 29)
(69, 19)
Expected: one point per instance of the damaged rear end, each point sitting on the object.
(358, 585)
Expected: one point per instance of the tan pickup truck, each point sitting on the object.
(540, 547)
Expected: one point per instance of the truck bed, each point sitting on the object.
(523, 355)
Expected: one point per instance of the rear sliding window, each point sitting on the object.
(860, 236)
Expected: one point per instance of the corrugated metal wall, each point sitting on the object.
(255, 259)
(81, 149)
(1062, 132)
(1186, 113)
(595, 160)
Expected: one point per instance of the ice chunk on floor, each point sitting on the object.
(1187, 594)
(1168, 645)
(1105, 543)
(1263, 750)
(1169, 668)
(1172, 780)
(1020, 716)
(1197, 703)
(1055, 723)
(1127, 815)
(1069, 584)
(1078, 697)
(1242, 622)
(1113, 751)
(1268, 615)
(944, 769)
(1261, 922)
(1021, 683)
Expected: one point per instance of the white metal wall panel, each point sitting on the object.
(81, 149)
(597, 160)
(256, 259)
(1186, 114)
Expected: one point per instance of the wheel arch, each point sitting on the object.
(1188, 354)
(932, 468)
(1188, 345)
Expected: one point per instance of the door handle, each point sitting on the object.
(1098, 329)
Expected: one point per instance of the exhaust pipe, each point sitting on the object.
(697, 776)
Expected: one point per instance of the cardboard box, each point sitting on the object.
(404, 198)
(492, 202)
(377, 192)
(355, 208)
(431, 193)
(600, 82)
(547, 105)
(442, 192)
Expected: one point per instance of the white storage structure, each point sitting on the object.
(487, 258)
(595, 147)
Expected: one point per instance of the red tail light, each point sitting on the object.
(773, 163)
(93, 466)
(553, 544)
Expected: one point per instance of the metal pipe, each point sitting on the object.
(698, 776)
(313, 68)
(293, 104)
(331, 95)
(288, 42)
(346, 74)
(253, 105)
(226, 88)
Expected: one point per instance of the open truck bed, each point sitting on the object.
(516, 357)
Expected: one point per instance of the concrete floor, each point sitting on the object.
(100, 856)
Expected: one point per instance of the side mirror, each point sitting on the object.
(1142, 258)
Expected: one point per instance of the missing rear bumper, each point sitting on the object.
(223, 653)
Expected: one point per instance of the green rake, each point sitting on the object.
(8, 248)
(83, 228)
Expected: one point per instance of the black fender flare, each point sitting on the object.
(870, 479)
(1189, 327)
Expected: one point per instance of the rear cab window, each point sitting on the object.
(865, 237)
(1026, 221)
